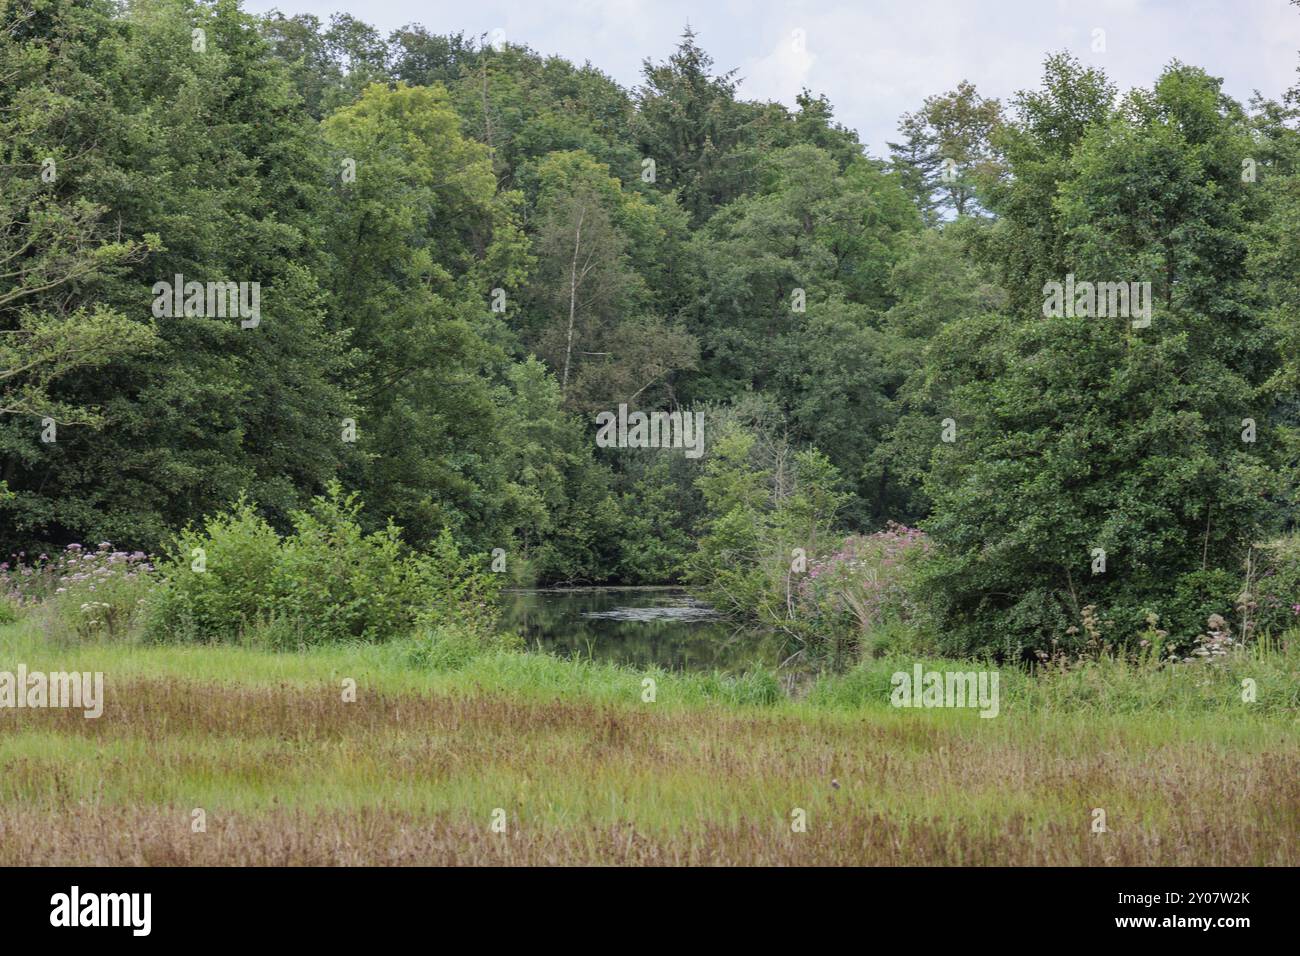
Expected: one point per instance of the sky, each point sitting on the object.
(876, 59)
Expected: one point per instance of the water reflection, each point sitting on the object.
(637, 626)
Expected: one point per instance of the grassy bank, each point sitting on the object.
(584, 770)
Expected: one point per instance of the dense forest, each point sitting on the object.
(452, 256)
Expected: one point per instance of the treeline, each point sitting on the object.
(465, 251)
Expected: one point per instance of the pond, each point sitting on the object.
(639, 626)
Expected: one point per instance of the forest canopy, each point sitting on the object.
(464, 254)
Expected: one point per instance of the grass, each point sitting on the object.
(582, 770)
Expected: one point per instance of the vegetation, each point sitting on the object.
(586, 771)
(304, 333)
(464, 252)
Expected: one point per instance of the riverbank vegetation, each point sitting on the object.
(281, 527)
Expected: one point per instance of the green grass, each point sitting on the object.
(710, 771)
(1105, 688)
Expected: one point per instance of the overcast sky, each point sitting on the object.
(876, 59)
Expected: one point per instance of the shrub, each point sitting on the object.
(863, 591)
(327, 580)
(462, 593)
(1275, 591)
(345, 583)
(89, 595)
(1198, 596)
(217, 580)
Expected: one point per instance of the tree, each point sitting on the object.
(687, 121)
(195, 163)
(593, 320)
(947, 150)
(1097, 461)
(420, 240)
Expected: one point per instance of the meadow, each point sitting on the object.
(507, 757)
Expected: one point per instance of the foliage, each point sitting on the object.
(1096, 463)
(1275, 586)
(80, 594)
(465, 249)
(947, 152)
(767, 508)
(327, 580)
(855, 596)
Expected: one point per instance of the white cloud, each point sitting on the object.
(782, 73)
(876, 60)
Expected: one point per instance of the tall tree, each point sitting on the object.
(420, 240)
(1097, 458)
(947, 150)
(594, 321)
(189, 143)
(688, 122)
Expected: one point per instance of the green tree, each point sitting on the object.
(947, 150)
(593, 318)
(687, 121)
(420, 240)
(199, 163)
(1096, 463)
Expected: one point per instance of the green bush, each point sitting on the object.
(1198, 595)
(218, 580)
(344, 583)
(236, 579)
(1275, 588)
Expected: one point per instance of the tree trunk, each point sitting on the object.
(573, 299)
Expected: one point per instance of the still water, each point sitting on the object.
(638, 626)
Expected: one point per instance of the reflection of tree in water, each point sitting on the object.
(637, 626)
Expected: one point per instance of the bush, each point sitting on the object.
(344, 583)
(1198, 596)
(328, 580)
(219, 580)
(1275, 592)
(88, 595)
(461, 593)
(862, 592)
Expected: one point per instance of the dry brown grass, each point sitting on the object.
(291, 775)
(85, 835)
